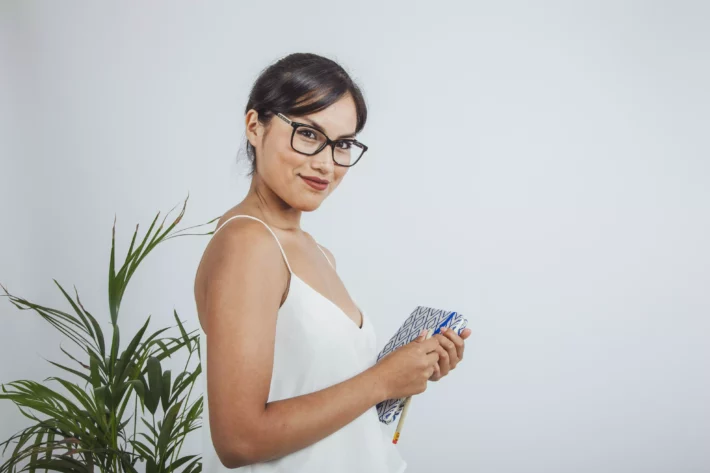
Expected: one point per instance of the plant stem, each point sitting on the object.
(135, 419)
(176, 452)
(114, 436)
(155, 453)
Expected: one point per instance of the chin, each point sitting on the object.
(308, 205)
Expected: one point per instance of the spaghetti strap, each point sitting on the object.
(283, 253)
(326, 256)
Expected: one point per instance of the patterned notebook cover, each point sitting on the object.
(423, 318)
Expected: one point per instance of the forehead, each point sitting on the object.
(337, 120)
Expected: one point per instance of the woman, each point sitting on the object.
(291, 379)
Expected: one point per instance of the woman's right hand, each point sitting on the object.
(406, 370)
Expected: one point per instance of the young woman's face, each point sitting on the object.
(291, 174)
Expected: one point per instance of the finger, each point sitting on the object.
(443, 364)
(432, 365)
(433, 358)
(457, 341)
(431, 344)
(466, 333)
(450, 348)
(437, 373)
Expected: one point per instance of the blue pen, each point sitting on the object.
(443, 324)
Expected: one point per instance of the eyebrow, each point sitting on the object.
(320, 128)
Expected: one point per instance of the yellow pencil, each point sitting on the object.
(406, 404)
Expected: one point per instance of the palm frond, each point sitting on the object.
(84, 427)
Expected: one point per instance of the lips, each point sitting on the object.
(315, 179)
(315, 183)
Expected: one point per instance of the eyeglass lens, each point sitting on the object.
(308, 140)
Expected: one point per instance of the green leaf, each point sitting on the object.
(179, 377)
(114, 352)
(86, 325)
(112, 283)
(166, 430)
(144, 450)
(33, 457)
(122, 367)
(126, 464)
(64, 464)
(150, 339)
(72, 357)
(155, 379)
(151, 429)
(95, 418)
(137, 385)
(50, 444)
(124, 274)
(182, 330)
(122, 399)
(94, 368)
(151, 440)
(166, 354)
(187, 382)
(79, 394)
(109, 398)
(63, 322)
(150, 466)
(180, 461)
(123, 424)
(199, 350)
(21, 442)
(195, 411)
(194, 467)
(100, 395)
(74, 372)
(98, 333)
(164, 347)
(165, 390)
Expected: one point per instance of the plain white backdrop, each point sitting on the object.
(544, 169)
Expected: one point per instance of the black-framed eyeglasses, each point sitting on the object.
(308, 140)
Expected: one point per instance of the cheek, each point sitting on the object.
(340, 173)
(282, 167)
(279, 172)
(291, 162)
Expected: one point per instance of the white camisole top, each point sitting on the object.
(317, 345)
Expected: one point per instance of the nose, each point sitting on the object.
(323, 160)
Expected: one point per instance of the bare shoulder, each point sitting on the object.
(238, 243)
(241, 253)
(329, 254)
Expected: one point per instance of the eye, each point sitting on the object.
(305, 132)
(344, 144)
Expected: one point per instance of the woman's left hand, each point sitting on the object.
(450, 351)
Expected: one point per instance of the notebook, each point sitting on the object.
(423, 318)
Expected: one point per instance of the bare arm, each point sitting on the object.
(246, 279)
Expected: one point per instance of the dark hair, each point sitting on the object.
(299, 84)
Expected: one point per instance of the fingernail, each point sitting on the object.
(444, 329)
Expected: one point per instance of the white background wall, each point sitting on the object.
(543, 169)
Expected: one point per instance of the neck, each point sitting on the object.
(272, 208)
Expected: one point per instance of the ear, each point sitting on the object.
(254, 128)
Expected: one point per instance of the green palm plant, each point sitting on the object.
(87, 428)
